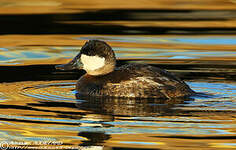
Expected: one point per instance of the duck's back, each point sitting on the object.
(134, 81)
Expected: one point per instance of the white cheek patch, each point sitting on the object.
(92, 62)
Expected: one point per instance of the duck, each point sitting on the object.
(133, 80)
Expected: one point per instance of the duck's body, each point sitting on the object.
(131, 81)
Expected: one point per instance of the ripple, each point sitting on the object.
(51, 108)
(52, 92)
(223, 97)
(2, 97)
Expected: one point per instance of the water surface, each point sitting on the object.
(36, 111)
(38, 107)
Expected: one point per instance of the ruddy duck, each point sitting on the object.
(104, 79)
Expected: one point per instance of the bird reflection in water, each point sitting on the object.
(105, 109)
(130, 107)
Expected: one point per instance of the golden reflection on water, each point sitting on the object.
(195, 39)
(70, 6)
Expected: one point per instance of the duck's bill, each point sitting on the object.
(74, 64)
(68, 66)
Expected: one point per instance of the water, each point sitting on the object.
(38, 106)
(47, 113)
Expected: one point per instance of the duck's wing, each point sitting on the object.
(137, 80)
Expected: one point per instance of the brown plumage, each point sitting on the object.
(134, 81)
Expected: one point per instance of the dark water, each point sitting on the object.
(38, 107)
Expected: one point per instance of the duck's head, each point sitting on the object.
(95, 57)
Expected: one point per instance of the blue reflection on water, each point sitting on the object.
(209, 40)
(5, 58)
(227, 40)
(35, 55)
(221, 89)
(3, 49)
(169, 53)
(132, 130)
(230, 144)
